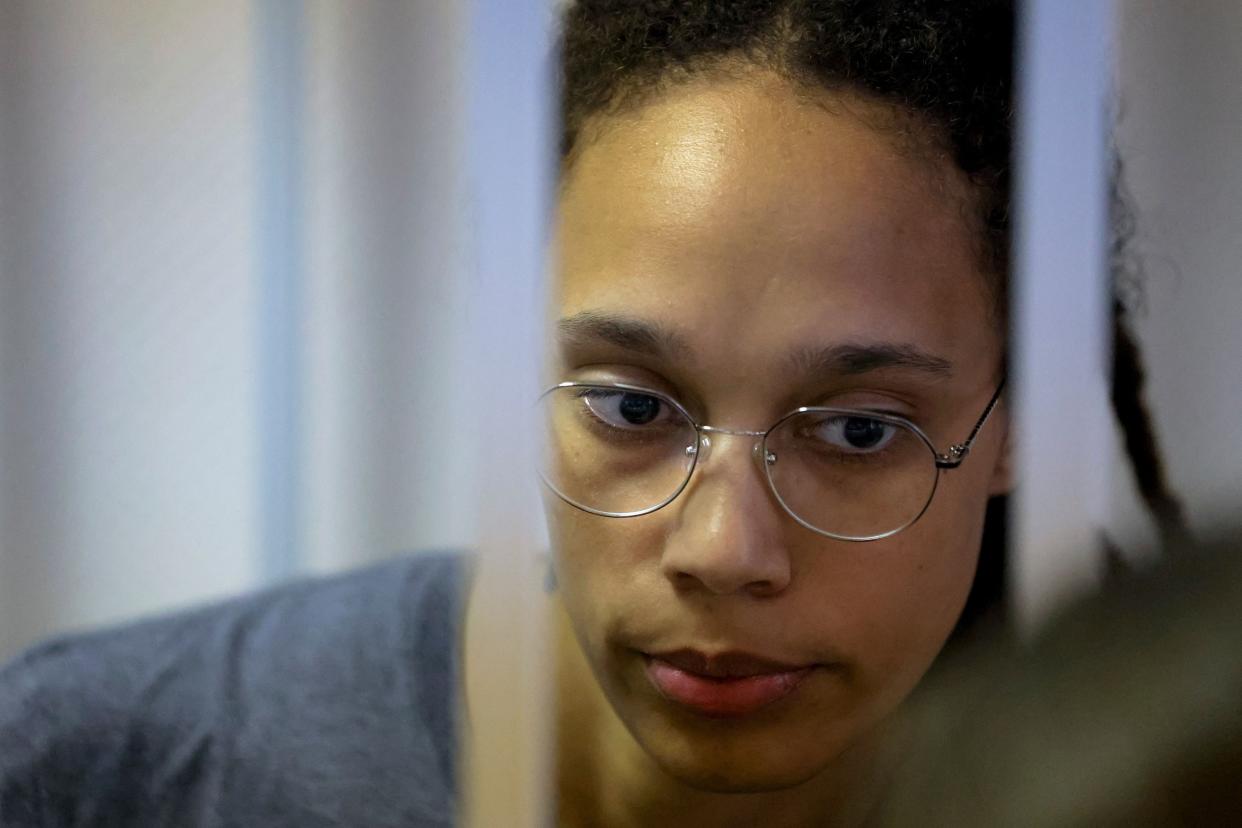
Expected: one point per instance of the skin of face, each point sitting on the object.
(753, 221)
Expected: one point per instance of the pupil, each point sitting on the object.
(863, 433)
(639, 409)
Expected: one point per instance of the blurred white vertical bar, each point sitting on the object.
(8, 70)
(510, 165)
(385, 294)
(1063, 442)
(279, 69)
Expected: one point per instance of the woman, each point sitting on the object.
(766, 206)
(777, 421)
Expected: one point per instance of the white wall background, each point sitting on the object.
(126, 325)
(141, 424)
(135, 427)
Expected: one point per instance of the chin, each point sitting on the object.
(772, 750)
(754, 763)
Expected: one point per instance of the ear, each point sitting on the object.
(1001, 482)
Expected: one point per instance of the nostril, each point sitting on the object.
(684, 581)
(722, 583)
(762, 589)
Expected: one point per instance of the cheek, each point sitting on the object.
(904, 597)
(605, 569)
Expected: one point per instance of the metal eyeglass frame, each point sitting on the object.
(950, 459)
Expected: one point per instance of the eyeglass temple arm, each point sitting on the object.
(957, 452)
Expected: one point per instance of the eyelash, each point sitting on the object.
(653, 382)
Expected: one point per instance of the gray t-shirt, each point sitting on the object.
(325, 703)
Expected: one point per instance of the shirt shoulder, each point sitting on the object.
(329, 701)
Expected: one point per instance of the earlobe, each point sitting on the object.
(1001, 482)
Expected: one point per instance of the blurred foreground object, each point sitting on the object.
(506, 752)
(1126, 710)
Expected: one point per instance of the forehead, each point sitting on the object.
(753, 218)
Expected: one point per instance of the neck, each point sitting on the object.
(605, 777)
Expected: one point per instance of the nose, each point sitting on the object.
(729, 534)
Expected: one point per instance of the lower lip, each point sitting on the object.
(722, 697)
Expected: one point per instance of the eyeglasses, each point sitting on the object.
(622, 451)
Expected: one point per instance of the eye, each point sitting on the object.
(628, 409)
(855, 434)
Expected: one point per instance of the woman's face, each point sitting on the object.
(728, 244)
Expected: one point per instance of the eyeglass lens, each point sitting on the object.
(848, 474)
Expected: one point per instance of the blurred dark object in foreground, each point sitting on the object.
(1126, 710)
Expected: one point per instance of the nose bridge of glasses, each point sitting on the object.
(705, 442)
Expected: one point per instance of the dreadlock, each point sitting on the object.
(947, 64)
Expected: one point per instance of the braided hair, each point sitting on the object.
(946, 65)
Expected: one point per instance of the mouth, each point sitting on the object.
(724, 685)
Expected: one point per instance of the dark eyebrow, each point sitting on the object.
(643, 336)
(632, 334)
(851, 359)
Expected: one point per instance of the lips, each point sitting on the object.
(725, 685)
